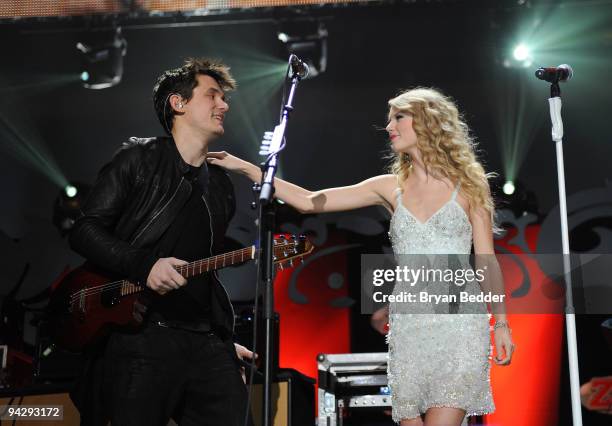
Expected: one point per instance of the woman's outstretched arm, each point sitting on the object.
(370, 192)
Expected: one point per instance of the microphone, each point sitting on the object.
(561, 73)
(298, 67)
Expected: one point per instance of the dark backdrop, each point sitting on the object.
(334, 136)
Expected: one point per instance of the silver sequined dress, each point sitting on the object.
(436, 360)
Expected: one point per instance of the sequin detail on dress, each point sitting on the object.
(437, 360)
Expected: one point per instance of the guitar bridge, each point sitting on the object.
(82, 301)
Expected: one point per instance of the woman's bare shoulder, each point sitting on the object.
(386, 187)
(385, 180)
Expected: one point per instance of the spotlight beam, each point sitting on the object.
(257, 89)
(517, 121)
(44, 83)
(30, 154)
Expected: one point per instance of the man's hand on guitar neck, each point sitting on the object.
(164, 276)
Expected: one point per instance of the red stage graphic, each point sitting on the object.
(526, 393)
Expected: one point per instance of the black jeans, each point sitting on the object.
(162, 373)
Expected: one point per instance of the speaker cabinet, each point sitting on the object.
(293, 402)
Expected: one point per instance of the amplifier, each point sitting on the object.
(292, 399)
(353, 389)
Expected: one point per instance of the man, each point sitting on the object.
(154, 207)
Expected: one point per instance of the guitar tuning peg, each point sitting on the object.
(280, 266)
(290, 263)
(268, 135)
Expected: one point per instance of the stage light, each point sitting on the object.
(67, 206)
(541, 38)
(521, 56)
(521, 52)
(307, 40)
(509, 188)
(102, 59)
(71, 191)
(514, 196)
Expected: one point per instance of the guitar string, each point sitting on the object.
(194, 265)
(110, 286)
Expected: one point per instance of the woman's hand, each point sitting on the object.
(503, 345)
(229, 162)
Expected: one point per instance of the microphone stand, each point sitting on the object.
(570, 317)
(266, 256)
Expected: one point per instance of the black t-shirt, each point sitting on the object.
(189, 238)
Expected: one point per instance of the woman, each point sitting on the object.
(439, 197)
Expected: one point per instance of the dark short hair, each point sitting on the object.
(182, 81)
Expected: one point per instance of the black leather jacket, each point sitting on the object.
(135, 198)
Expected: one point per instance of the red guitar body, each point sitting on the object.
(81, 313)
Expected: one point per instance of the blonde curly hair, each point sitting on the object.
(445, 144)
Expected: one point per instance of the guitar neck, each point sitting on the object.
(284, 251)
(217, 262)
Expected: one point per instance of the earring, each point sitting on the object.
(180, 105)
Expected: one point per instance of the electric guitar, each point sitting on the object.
(87, 304)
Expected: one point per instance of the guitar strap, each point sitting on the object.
(199, 185)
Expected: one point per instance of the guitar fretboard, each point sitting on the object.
(217, 262)
(282, 251)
